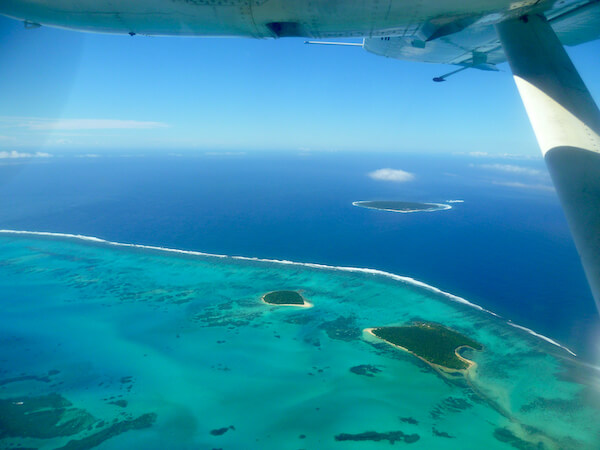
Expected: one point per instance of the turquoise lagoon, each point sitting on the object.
(124, 332)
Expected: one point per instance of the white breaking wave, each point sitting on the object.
(403, 279)
(116, 244)
(455, 201)
(533, 333)
(439, 207)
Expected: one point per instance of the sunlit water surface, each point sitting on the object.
(184, 342)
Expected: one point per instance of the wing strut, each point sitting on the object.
(446, 75)
(566, 122)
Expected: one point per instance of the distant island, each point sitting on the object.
(433, 343)
(402, 207)
(285, 298)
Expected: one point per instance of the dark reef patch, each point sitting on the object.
(391, 436)
(23, 377)
(557, 404)
(410, 420)
(216, 316)
(450, 404)
(42, 417)
(508, 437)
(365, 369)
(299, 319)
(120, 403)
(221, 431)
(343, 328)
(441, 433)
(144, 421)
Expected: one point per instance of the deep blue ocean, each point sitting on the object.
(506, 248)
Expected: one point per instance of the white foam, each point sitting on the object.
(116, 244)
(439, 207)
(541, 336)
(455, 201)
(403, 279)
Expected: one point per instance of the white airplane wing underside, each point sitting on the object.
(475, 43)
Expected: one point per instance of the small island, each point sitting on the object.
(435, 344)
(402, 207)
(285, 298)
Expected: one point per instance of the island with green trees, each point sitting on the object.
(285, 298)
(433, 343)
(402, 207)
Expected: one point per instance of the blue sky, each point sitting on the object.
(64, 91)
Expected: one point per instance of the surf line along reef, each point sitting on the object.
(402, 207)
(434, 344)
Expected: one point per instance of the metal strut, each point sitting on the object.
(566, 122)
(446, 75)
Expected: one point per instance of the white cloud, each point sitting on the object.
(511, 169)
(396, 175)
(498, 155)
(516, 184)
(42, 124)
(224, 153)
(18, 155)
(61, 142)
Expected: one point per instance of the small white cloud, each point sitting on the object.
(396, 175)
(497, 155)
(224, 153)
(61, 142)
(516, 184)
(18, 155)
(511, 169)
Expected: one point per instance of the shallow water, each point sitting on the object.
(187, 338)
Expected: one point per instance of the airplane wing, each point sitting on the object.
(475, 43)
(530, 34)
(467, 24)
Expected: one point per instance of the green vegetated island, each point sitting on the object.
(402, 207)
(285, 298)
(432, 343)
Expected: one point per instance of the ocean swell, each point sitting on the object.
(402, 279)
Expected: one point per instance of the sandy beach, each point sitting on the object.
(441, 369)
